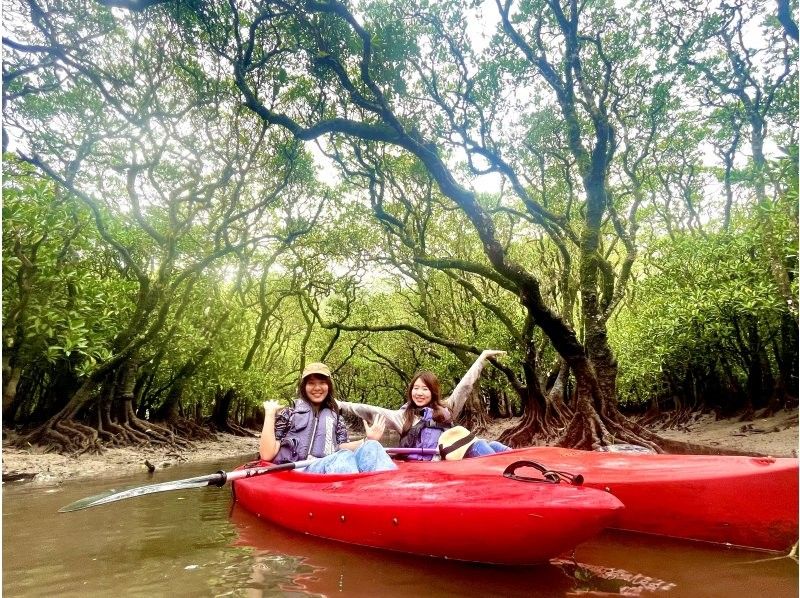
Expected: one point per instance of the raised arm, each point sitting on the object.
(268, 445)
(462, 391)
(393, 417)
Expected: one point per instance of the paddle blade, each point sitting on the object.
(115, 495)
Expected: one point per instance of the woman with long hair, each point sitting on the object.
(425, 418)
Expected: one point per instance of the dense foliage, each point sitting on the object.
(201, 197)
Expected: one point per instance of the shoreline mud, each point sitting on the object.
(776, 436)
(37, 467)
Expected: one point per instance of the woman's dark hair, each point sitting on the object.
(440, 413)
(329, 401)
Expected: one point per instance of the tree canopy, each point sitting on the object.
(201, 197)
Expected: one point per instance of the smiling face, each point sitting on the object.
(420, 393)
(316, 388)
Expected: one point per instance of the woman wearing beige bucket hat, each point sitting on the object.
(312, 429)
(425, 418)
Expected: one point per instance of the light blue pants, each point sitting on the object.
(483, 447)
(370, 456)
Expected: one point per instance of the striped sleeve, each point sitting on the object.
(341, 431)
(282, 422)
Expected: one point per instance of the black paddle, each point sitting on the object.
(215, 479)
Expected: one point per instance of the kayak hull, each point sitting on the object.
(741, 501)
(425, 510)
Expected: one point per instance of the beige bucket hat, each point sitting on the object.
(455, 442)
(316, 368)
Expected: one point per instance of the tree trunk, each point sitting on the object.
(533, 424)
(788, 362)
(495, 398)
(126, 389)
(11, 377)
(220, 420)
(168, 411)
(473, 416)
(780, 274)
(557, 410)
(222, 406)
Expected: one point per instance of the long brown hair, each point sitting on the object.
(328, 402)
(440, 413)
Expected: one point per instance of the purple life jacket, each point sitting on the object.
(424, 434)
(308, 434)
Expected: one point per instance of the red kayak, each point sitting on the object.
(429, 509)
(742, 501)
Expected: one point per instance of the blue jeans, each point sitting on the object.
(370, 456)
(482, 447)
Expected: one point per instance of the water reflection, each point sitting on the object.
(335, 568)
(196, 543)
(613, 564)
(341, 568)
(610, 581)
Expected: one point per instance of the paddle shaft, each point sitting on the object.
(412, 451)
(238, 474)
(224, 477)
(221, 477)
(215, 479)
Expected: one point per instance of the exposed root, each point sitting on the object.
(678, 419)
(232, 427)
(593, 431)
(135, 436)
(623, 435)
(590, 430)
(49, 436)
(190, 430)
(747, 415)
(153, 432)
(474, 420)
(116, 435)
(586, 432)
(528, 432)
(65, 436)
(69, 436)
(237, 430)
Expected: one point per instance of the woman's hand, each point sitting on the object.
(271, 408)
(375, 431)
(492, 353)
(268, 446)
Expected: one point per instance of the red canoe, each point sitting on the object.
(742, 501)
(426, 509)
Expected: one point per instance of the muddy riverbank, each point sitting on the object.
(776, 435)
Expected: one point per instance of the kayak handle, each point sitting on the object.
(548, 475)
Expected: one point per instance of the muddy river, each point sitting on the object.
(199, 543)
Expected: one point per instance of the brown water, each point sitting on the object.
(196, 543)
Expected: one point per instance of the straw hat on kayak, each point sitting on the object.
(455, 442)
